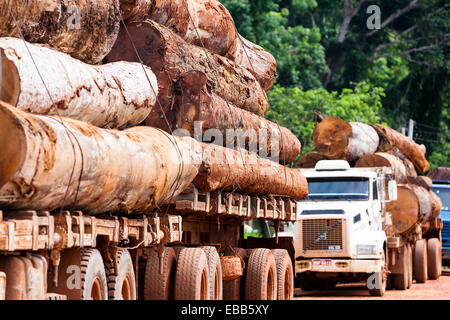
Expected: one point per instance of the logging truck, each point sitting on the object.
(357, 224)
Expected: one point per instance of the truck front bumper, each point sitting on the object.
(338, 265)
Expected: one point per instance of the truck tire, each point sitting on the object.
(261, 276)
(381, 279)
(400, 281)
(215, 273)
(434, 258)
(157, 285)
(123, 285)
(421, 261)
(410, 265)
(192, 275)
(285, 274)
(93, 276)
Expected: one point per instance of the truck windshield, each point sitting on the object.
(444, 195)
(351, 188)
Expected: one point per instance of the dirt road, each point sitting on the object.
(431, 290)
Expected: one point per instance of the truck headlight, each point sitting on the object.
(365, 250)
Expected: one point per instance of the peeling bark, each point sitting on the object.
(84, 29)
(196, 104)
(382, 159)
(256, 60)
(200, 22)
(115, 95)
(389, 139)
(134, 170)
(136, 10)
(227, 169)
(170, 56)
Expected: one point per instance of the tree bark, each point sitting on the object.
(199, 22)
(227, 169)
(440, 173)
(115, 95)
(206, 23)
(84, 29)
(382, 159)
(409, 166)
(256, 60)
(197, 107)
(309, 160)
(389, 139)
(169, 55)
(136, 10)
(338, 139)
(46, 164)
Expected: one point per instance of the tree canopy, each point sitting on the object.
(331, 59)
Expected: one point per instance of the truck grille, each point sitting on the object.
(322, 234)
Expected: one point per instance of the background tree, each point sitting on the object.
(327, 57)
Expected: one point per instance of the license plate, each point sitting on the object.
(322, 262)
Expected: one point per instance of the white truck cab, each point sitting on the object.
(341, 226)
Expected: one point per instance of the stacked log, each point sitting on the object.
(169, 56)
(47, 163)
(115, 95)
(337, 139)
(54, 153)
(195, 105)
(390, 139)
(206, 23)
(228, 169)
(85, 29)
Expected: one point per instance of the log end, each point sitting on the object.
(12, 143)
(331, 137)
(10, 80)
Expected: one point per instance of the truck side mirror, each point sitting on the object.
(392, 190)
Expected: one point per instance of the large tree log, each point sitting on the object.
(197, 107)
(46, 164)
(390, 138)
(206, 23)
(255, 59)
(382, 159)
(84, 29)
(228, 169)
(338, 139)
(309, 160)
(405, 210)
(200, 22)
(170, 56)
(115, 95)
(440, 173)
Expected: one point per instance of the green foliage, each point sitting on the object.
(317, 69)
(294, 108)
